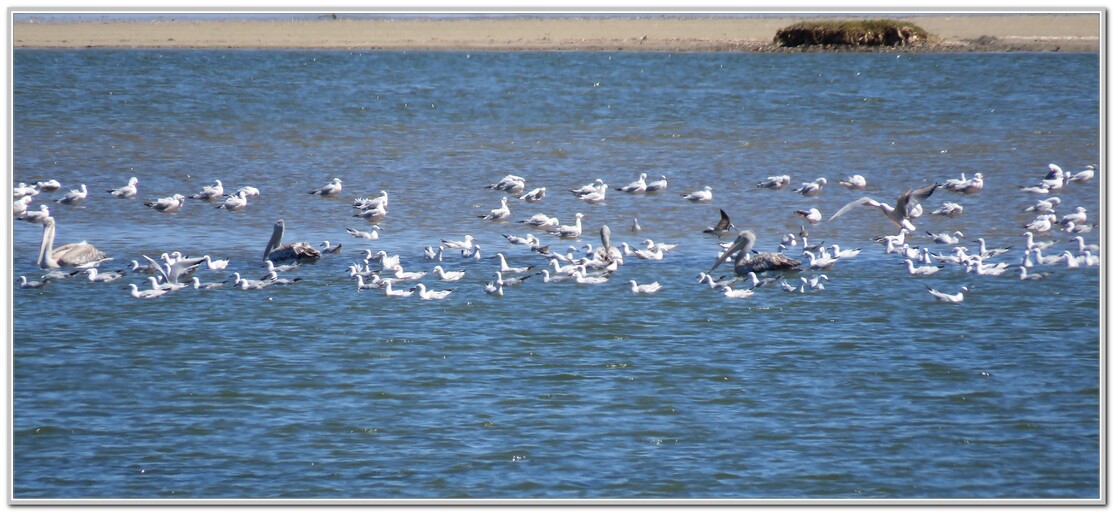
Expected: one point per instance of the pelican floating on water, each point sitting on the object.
(757, 263)
(296, 251)
(69, 255)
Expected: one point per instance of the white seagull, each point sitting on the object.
(700, 196)
(127, 191)
(74, 197)
(644, 288)
(333, 188)
(812, 189)
(209, 193)
(943, 297)
(167, 204)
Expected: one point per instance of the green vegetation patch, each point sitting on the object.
(855, 33)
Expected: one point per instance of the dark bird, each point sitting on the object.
(296, 251)
(757, 263)
(723, 226)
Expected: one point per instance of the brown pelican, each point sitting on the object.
(297, 251)
(69, 255)
(757, 263)
(899, 214)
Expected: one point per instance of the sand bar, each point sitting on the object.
(1071, 32)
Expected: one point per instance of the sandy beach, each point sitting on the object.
(951, 32)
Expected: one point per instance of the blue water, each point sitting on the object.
(867, 389)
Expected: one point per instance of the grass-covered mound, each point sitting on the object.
(854, 33)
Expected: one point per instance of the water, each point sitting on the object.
(868, 389)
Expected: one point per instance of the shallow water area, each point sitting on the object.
(867, 389)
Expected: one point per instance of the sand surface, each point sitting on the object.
(954, 32)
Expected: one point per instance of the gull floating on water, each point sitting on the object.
(327, 248)
(1084, 176)
(636, 187)
(1041, 224)
(657, 186)
(533, 196)
(52, 184)
(467, 245)
(1044, 205)
(235, 202)
(854, 182)
(540, 220)
(813, 188)
(37, 217)
(23, 190)
(963, 185)
(588, 189)
(127, 191)
(775, 182)
(921, 271)
(596, 197)
(500, 213)
(700, 196)
(167, 204)
(74, 197)
(571, 231)
(391, 292)
(737, 294)
(444, 275)
(24, 283)
(209, 193)
(811, 215)
(948, 209)
(333, 188)
(1078, 217)
(372, 214)
(364, 203)
(510, 183)
(943, 238)
(197, 285)
(146, 294)
(105, 277)
(1034, 276)
(248, 191)
(19, 206)
(431, 294)
(644, 288)
(369, 235)
(943, 297)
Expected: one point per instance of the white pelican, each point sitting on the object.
(811, 215)
(52, 185)
(921, 271)
(657, 186)
(37, 217)
(391, 292)
(775, 182)
(208, 193)
(644, 288)
(533, 196)
(235, 202)
(700, 196)
(898, 214)
(756, 263)
(812, 189)
(854, 182)
(327, 248)
(467, 245)
(167, 204)
(943, 297)
(106, 277)
(145, 294)
(510, 183)
(737, 294)
(68, 255)
(431, 294)
(943, 238)
(24, 283)
(948, 209)
(500, 213)
(636, 187)
(451, 275)
(74, 197)
(295, 251)
(571, 231)
(596, 197)
(127, 191)
(723, 226)
(540, 220)
(332, 188)
(588, 189)
(1044, 205)
(369, 235)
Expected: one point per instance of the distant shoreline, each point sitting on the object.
(1067, 32)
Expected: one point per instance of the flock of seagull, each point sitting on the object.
(585, 265)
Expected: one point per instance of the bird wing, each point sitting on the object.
(158, 268)
(851, 205)
(910, 198)
(724, 221)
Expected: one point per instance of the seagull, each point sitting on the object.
(963, 185)
(921, 271)
(811, 215)
(167, 204)
(500, 213)
(74, 197)
(1041, 224)
(364, 203)
(700, 196)
(234, 203)
(787, 287)
(1084, 176)
(430, 294)
(24, 190)
(534, 195)
(540, 220)
(596, 197)
(737, 294)
(713, 284)
(510, 281)
(635, 227)
(820, 262)
(723, 226)
(948, 210)
(579, 277)
(106, 277)
(271, 267)
(36, 217)
(248, 191)
(1082, 247)
(52, 185)
(369, 235)
(127, 191)
(775, 182)
(553, 279)
(506, 269)
(855, 182)
(494, 288)
(1044, 205)
(1078, 217)
(19, 206)
(212, 264)
(331, 189)
(1034, 276)
(571, 231)
(840, 254)
(637, 187)
(454, 275)
(943, 238)
(657, 186)
(943, 297)
(467, 245)
(329, 249)
(197, 285)
(815, 283)
(145, 294)
(372, 214)
(510, 183)
(812, 189)
(391, 292)
(898, 214)
(651, 245)
(1030, 244)
(529, 240)
(209, 193)
(644, 288)
(758, 283)
(588, 189)
(24, 283)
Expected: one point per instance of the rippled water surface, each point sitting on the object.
(867, 389)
